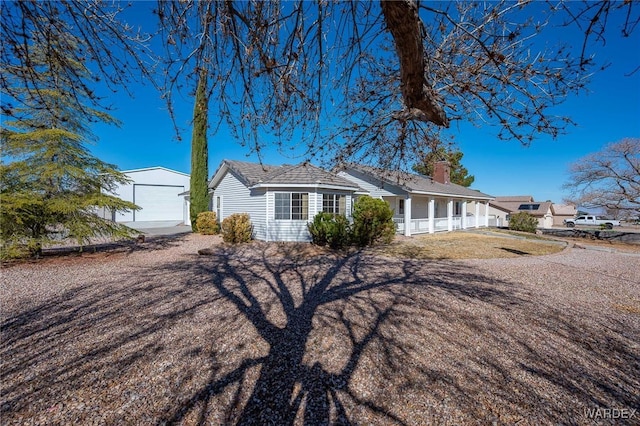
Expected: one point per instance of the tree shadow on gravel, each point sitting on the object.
(276, 334)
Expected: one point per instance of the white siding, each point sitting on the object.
(237, 198)
(155, 176)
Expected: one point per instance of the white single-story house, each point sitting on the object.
(422, 204)
(282, 200)
(159, 193)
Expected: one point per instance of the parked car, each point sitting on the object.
(592, 220)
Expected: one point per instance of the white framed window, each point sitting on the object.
(334, 203)
(401, 206)
(291, 206)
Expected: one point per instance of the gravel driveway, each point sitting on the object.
(286, 334)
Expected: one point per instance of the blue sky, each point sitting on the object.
(609, 112)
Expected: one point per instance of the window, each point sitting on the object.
(400, 206)
(291, 206)
(334, 203)
(457, 208)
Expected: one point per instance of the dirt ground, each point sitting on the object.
(294, 334)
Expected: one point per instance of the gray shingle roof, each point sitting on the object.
(411, 182)
(301, 174)
(306, 174)
(250, 173)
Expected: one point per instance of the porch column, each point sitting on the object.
(486, 214)
(463, 219)
(477, 214)
(449, 214)
(407, 215)
(432, 213)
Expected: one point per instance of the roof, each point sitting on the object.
(515, 198)
(521, 204)
(563, 209)
(145, 169)
(414, 183)
(263, 175)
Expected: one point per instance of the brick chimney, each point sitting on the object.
(442, 172)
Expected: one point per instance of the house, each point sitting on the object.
(280, 200)
(561, 212)
(422, 204)
(157, 191)
(504, 207)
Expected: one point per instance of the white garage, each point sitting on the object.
(158, 192)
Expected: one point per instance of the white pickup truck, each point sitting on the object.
(592, 220)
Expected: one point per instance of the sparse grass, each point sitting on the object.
(469, 245)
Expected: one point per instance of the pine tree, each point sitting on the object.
(459, 174)
(51, 184)
(199, 190)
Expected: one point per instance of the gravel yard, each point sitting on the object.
(290, 334)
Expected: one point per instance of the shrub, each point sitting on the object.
(330, 229)
(207, 223)
(237, 228)
(372, 222)
(523, 221)
(319, 228)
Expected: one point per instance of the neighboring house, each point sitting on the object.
(157, 191)
(426, 204)
(504, 207)
(561, 212)
(281, 200)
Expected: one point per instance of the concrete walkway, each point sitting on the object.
(165, 227)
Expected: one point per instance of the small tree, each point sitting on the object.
(372, 222)
(524, 222)
(50, 184)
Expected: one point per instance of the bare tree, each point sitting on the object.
(355, 80)
(608, 179)
(371, 82)
(115, 52)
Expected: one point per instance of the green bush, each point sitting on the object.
(237, 228)
(330, 229)
(523, 221)
(372, 222)
(207, 223)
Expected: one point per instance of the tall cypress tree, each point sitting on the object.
(199, 191)
(50, 183)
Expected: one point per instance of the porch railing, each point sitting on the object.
(421, 226)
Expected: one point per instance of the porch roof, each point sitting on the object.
(418, 184)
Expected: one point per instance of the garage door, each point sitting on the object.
(158, 202)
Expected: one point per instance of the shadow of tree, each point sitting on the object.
(266, 334)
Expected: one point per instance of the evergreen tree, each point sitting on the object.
(50, 183)
(199, 190)
(459, 174)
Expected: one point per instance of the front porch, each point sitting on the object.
(431, 214)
